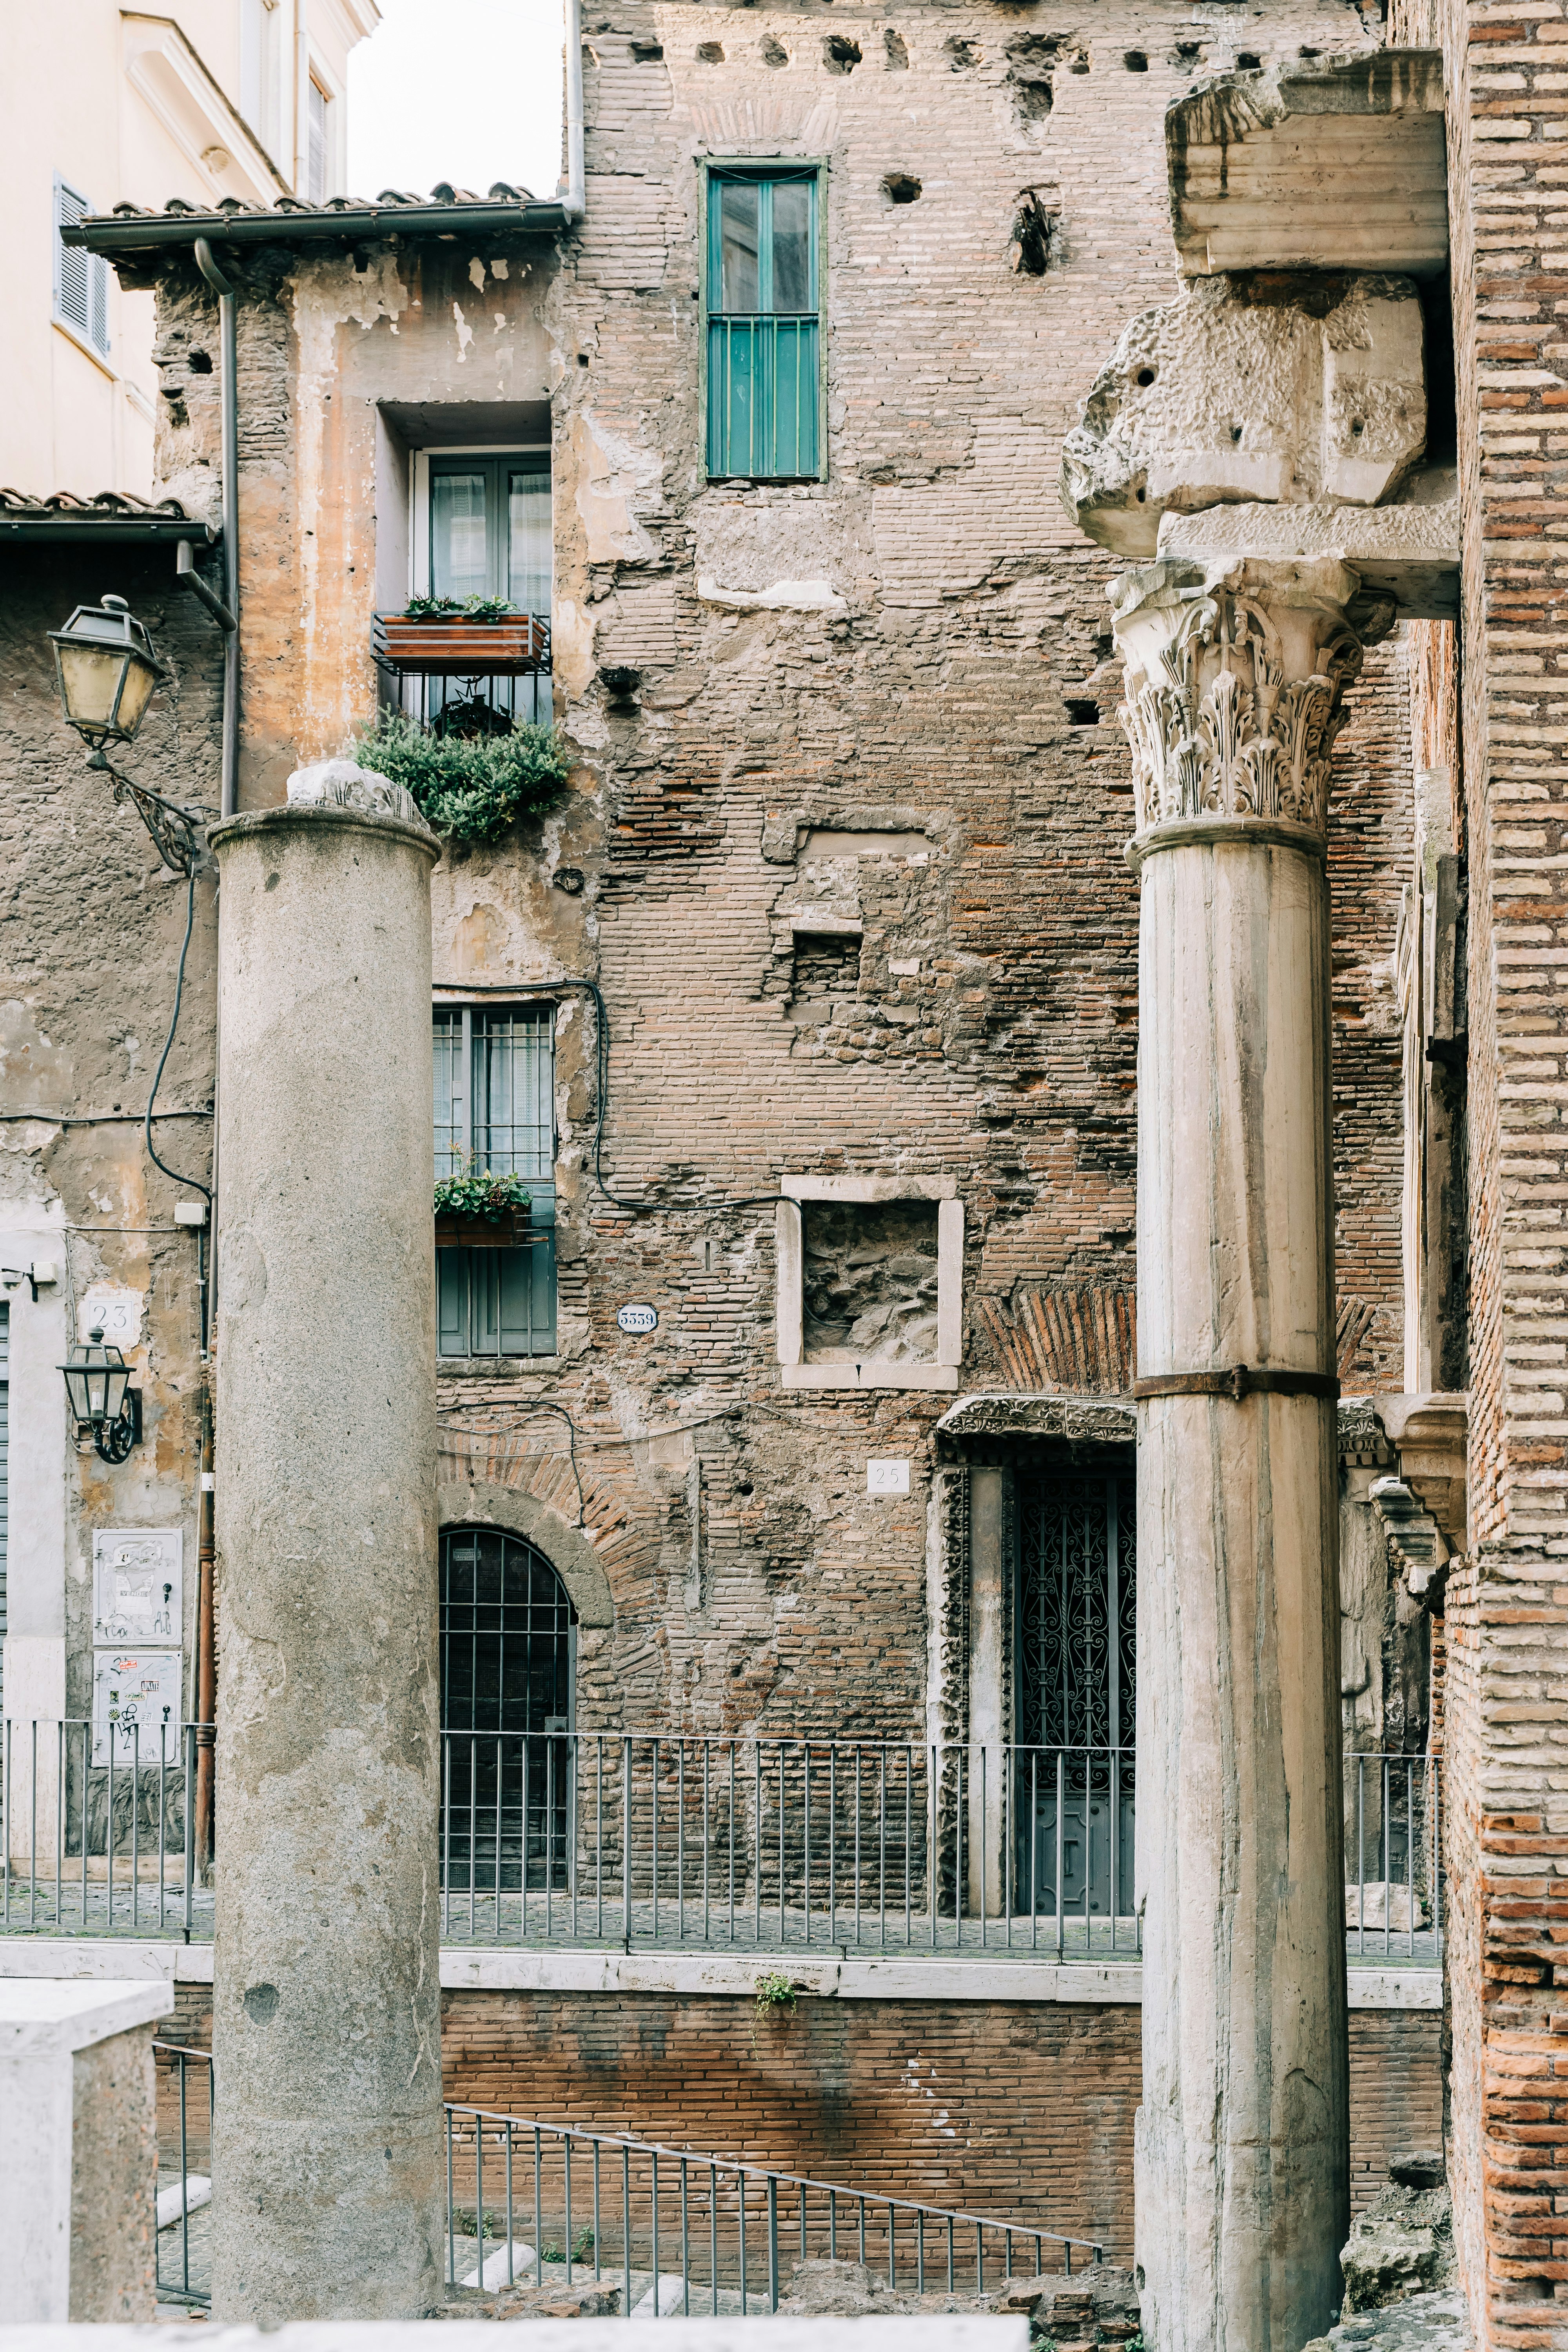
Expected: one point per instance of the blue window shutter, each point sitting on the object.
(81, 279)
(764, 365)
(451, 1302)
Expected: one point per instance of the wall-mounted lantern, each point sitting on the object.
(108, 672)
(98, 1383)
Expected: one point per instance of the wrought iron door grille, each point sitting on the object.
(507, 1644)
(1075, 1624)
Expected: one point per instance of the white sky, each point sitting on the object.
(465, 90)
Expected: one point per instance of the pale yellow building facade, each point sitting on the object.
(105, 105)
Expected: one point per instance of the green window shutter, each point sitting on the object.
(763, 326)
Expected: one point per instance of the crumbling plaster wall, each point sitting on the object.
(91, 925)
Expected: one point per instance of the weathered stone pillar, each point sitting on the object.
(1233, 679)
(328, 2165)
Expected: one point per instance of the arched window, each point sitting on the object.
(509, 1640)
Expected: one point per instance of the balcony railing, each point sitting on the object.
(656, 1839)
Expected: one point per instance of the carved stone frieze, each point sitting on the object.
(1235, 675)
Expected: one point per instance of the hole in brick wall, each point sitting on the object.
(1236, 433)
(1082, 711)
(962, 56)
(900, 189)
(647, 53)
(869, 1280)
(1135, 61)
(1034, 226)
(840, 56)
(200, 363)
(711, 53)
(897, 54)
(1249, 60)
(1030, 59)
(774, 53)
(1145, 377)
(1079, 61)
(1188, 52)
(825, 978)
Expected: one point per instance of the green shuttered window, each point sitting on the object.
(765, 328)
(495, 1110)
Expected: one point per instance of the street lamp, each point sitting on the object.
(108, 671)
(98, 1383)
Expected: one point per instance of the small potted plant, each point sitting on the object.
(480, 1210)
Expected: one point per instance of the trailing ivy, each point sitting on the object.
(469, 790)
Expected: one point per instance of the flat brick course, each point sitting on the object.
(1016, 2108)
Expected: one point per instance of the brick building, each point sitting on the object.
(795, 1433)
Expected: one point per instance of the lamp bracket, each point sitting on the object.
(174, 829)
(112, 1440)
(12, 1274)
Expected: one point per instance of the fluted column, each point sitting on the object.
(1233, 683)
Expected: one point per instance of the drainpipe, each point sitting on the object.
(229, 391)
(574, 203)
(206, 1646)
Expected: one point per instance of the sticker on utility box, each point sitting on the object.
(136, 1707)
(137, 1586)
(886, 1477)
(637, 1319)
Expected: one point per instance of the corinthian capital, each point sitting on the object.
(1234, 677)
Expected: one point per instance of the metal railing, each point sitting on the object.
(770, 1844)
(676, 2231)
(1393, 1875)
(183, 2193)
(747, 1844)
(96, 1836)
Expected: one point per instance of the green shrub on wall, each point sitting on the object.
(469, 790)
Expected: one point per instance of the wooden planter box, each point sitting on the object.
(484, 1232)
(518, 646)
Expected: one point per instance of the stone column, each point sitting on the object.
(327, 2164)
(1233, 679)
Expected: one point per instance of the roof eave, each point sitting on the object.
(117, 235)
(107, 529)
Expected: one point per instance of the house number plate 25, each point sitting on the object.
(637, 1319)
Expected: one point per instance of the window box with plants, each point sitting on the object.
(480, 637)
(482, 1211)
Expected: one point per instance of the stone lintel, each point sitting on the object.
(1331, 164)
(1079, 1420)
(1407, 553)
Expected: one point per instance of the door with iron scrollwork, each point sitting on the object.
(1075, 1641)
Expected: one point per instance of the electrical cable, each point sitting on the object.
(602, 1089)
(194, 1182)
(539, 1404)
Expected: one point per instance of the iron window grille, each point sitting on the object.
(82, 278)
(764, 342)
(495, 1110)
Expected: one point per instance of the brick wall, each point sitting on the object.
(1016, 2108)
(1507, 1600)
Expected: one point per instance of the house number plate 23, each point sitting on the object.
(637, 1319)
